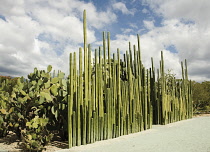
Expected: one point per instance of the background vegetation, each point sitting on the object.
(201, 96)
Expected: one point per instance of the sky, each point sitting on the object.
(38, 33)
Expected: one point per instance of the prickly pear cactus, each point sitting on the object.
(5, 108)
(36, 130)
(4, 114)
(33, 107)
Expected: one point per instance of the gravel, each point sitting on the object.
(192, 135)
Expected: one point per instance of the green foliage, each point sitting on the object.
(5, 109)
(36, 135)
(49, 68)
(201, 96)
(26, 107)
(4, 117)
(169, 79)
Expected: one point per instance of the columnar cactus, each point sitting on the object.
(111, 97)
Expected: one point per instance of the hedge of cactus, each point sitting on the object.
(110, 97)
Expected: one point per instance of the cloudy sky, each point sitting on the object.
(36, 33)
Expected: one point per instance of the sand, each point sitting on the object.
(192, 135)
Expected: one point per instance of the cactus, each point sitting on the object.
(123, 97)
(31, 107)
(34, 132)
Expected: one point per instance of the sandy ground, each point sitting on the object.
(10, 144)
(191, 135)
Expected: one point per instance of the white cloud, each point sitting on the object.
(148, 24)
(120, 6)
(145, 11)
(37, 33)
(10, 8)
(188, 10)
(186, 26)
(188, 41)
(74, 8)
(127, 30)
(133, 25)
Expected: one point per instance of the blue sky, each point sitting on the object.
(36, 33)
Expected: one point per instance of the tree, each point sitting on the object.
(201, 95)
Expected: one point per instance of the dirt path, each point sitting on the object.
(10, 144)
(191, 135)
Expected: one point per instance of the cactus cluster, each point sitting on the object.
(171, 98)
(33, 107)
(110, 97)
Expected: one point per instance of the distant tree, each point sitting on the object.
(2, 78)
(8, 83)
(201, 95)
